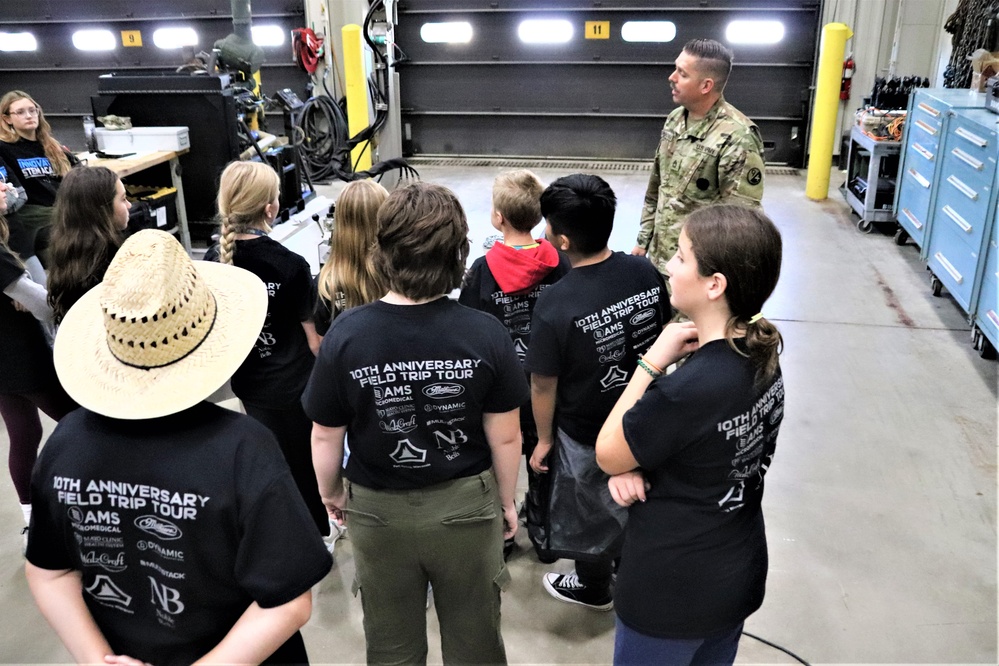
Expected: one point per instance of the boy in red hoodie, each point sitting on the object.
(506, 283)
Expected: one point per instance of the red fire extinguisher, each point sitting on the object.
(844, 85)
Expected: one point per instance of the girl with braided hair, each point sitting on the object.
(687, 452)
(271, 380)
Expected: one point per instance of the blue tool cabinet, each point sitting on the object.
(927, 121)
(961, 224)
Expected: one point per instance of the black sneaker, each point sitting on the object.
(566, 587)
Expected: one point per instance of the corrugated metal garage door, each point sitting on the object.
(599, 97)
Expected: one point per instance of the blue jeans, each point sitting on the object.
(633, 648)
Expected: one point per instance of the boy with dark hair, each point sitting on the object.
(588, 333)
(506, 283)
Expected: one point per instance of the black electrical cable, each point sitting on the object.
(253, 142)
(776, 647)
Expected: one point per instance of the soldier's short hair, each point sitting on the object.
(714, 60)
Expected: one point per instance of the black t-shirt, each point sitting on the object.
(589, 330)
(177, 525)
(411, 383)
(480, 291)
(325, 312)
(25, 356)
(695, 552)
(27, 161)
(275, 372)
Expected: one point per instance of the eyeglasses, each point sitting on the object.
(30, 111)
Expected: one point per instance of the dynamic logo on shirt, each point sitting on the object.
(162, 529)
(398, 426)
(443, 391)
(407, 454)
(447, 407)
(642, 317)
(612, 357)
(615, 377)
(165, 553)
(104, 561)
(105, 591)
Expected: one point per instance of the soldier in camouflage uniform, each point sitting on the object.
(709, 152)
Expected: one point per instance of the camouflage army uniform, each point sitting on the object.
(718, 159)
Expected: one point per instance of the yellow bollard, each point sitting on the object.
(820, 147)
(357, 94)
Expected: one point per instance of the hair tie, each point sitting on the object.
(756, 317)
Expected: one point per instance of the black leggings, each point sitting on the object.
(293, 430)
(24, 427)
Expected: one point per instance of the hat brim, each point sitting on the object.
(97, 380)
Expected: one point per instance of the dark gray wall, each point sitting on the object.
(62, 78)
(590, 98)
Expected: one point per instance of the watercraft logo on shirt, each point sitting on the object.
(104, 561)
(407, 454)
(520, 348)
(615, 377)
(612, 357)
(158, 527)
(443, 391)
(104, 590)
(398, 426)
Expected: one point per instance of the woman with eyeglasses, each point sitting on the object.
(39, 162)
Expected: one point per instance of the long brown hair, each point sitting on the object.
(85, 235)
(244, 191)
(745, 246)
(350, 270)
(53, 149)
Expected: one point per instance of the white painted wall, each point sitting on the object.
(908, 32)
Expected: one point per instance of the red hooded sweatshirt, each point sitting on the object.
(518, 271)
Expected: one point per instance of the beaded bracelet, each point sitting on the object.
(653, 371)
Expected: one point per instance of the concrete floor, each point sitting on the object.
(881, 503)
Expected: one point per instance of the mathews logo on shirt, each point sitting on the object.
(642, 317)
(443, 391)
(162, 529)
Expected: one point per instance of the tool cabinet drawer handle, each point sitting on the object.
(977, 165)
(922, 151)
(912, 218)
(949, 268)
(929, 109)
(916, 176)
(958, 220)
(962, 188)
(926, 128)
(973, 138)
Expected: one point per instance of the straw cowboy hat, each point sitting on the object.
(160, 333)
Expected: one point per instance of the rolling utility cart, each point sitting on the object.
(870, 178)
